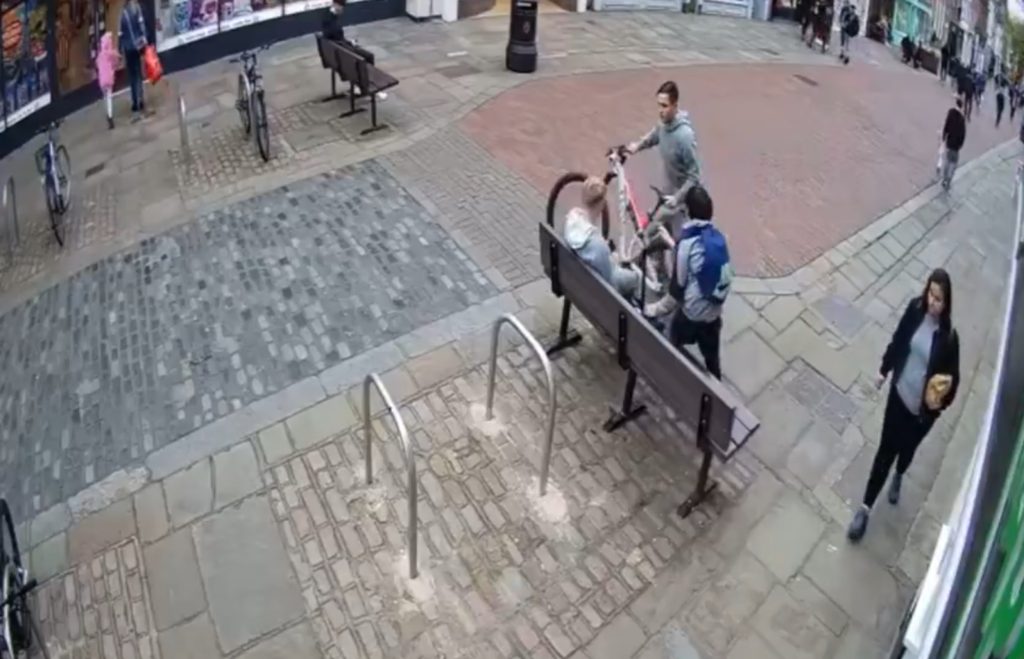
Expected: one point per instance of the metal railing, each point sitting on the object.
(10, 218)
(403, 435)
(552, 404)
(186, 152)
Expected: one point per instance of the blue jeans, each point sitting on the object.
(133, 64)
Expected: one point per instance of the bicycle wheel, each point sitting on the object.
(62, 172)
(53, 205)
(564, 195)
(259, 115)
(11, 580)
(242, 104)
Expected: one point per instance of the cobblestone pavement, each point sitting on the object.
(147, 346)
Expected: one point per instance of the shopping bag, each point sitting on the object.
(151, 66)
(941, 162)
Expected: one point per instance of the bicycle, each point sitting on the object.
(631, 215)
(251, 105)
(18, 627)
(54, 165)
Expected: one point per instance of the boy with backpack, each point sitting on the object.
(699, 284)
(849, 27)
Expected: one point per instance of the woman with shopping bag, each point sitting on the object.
(133, 42)
(923, 357)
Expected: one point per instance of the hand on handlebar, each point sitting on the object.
(632, 147)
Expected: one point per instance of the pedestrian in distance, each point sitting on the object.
(923, 358)
(954, 132)
(700, 282)
(1000, 104)
(965, 88)
(1014, 93)
(849, 27)
(107, 60)
(944, 61)
(133, 41)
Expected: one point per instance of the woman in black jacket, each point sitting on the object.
(924, 359)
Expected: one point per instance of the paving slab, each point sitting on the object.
(242, 607)
(235, 474)
(783, 422)
(296, 642)
(151, 513)
(319, 422)
(175, 586)
(189, 493)
(100, 530)
(275, 443)
(785, 536)
(750, 364)
(790, 628)
(190, 640)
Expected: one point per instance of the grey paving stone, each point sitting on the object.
(100, 530)
(791, 342)
(824, 609)
(235, 474)
(312, 426)
(750, 364)
(856, 644)
(242, 607)
(751, 645)
(781, 311)
(166, 338)
(48, 523)
(622, 637)
(296, 642)
(50, 557)
(790, 628)
(783, 421)
(813, 454)
(675, 587)
(151, 513)
(174, 584)
(671, 643)
(189, 493)
(842, 315)
(190, 640)
(785, 536)
(275, 443)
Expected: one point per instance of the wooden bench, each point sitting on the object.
(327, 60)
(723, 423)
(368, 78)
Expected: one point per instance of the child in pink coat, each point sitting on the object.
(107, 60)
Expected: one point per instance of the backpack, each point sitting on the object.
(852, 24)
(714, 279)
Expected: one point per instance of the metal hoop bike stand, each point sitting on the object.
(410, 468)
(10, 214)
(542, 355)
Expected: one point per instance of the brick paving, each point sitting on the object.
(144, 347)
(799, 157)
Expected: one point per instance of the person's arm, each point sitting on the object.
(947, 126)
(668, 303)
(889, 357)
(954, 369)
(645, 142)
(687, 155)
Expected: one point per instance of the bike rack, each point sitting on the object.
(10, 209)
(552, 404)
(403, 435)
(183, 129)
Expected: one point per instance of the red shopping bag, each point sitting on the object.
(151, 66)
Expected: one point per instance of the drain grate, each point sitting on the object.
(806, 80)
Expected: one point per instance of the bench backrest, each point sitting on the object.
(352, 67)
(675, 376)
(325, 60)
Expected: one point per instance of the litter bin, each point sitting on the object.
(521, 53)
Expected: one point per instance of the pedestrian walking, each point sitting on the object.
(924, 359)
(965, 88)
(944, 61)
(954, 132)
(132, 41)
(1000, 104)
(700, 282)
(1014, 100)
(849, 27)
(107, 60)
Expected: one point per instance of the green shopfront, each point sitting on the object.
(912, 18)
(49, 46)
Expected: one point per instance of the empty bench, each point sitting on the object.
(352, 68)
(723, 423)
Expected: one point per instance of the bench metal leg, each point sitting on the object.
(566, 338)
(351, 102)
(374, 126)
(335, 94)
(704, 488)
(628, 412)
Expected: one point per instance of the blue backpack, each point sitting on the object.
(714, 279)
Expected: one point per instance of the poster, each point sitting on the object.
(26, 84)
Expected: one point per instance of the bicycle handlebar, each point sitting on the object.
(20, 593)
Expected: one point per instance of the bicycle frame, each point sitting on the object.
(628, 205)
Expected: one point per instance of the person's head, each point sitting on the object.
(959, 103)
(938, 297)
(593, 195)
(338, 6)
(698, 203)
(668, 101)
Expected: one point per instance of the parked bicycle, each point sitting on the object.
(18, 629)
(54, 165)
(250, 104)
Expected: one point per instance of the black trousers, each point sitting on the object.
(1000, 104)
(358, 50)
(133, 64)
(902, 433)
(683, 331)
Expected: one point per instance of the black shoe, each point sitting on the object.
(858, 526)
(895, 484)
(110, 123)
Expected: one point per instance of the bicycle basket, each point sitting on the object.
(42, 158)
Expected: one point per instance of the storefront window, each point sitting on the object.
(26, 83)
(236, 13)
(79, 26)
(184, 21)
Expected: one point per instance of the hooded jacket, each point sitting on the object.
(689, 260)
(106, 62)
(585, 239)
(678, 146)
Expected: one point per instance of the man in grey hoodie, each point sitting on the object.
(583, 236)
(677, 143)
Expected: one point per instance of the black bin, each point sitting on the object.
(521, 53)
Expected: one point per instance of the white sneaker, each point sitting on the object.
(382, 96)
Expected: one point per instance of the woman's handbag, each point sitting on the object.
(151, 65)
(936, 390)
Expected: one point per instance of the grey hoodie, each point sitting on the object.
(690, 259)
(585, 239)
(678, 146)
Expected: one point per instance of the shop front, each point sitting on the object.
(912, 18)
(49, 46)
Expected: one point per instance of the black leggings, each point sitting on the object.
(683, 331)
(902, 433)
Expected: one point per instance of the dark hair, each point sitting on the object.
(941, 278)
(698, 203)
(671, 89)
(959, 102)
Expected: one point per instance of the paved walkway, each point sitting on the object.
(187, 457)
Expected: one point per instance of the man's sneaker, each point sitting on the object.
(894, 488)
(382, 96)
(858, 526)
